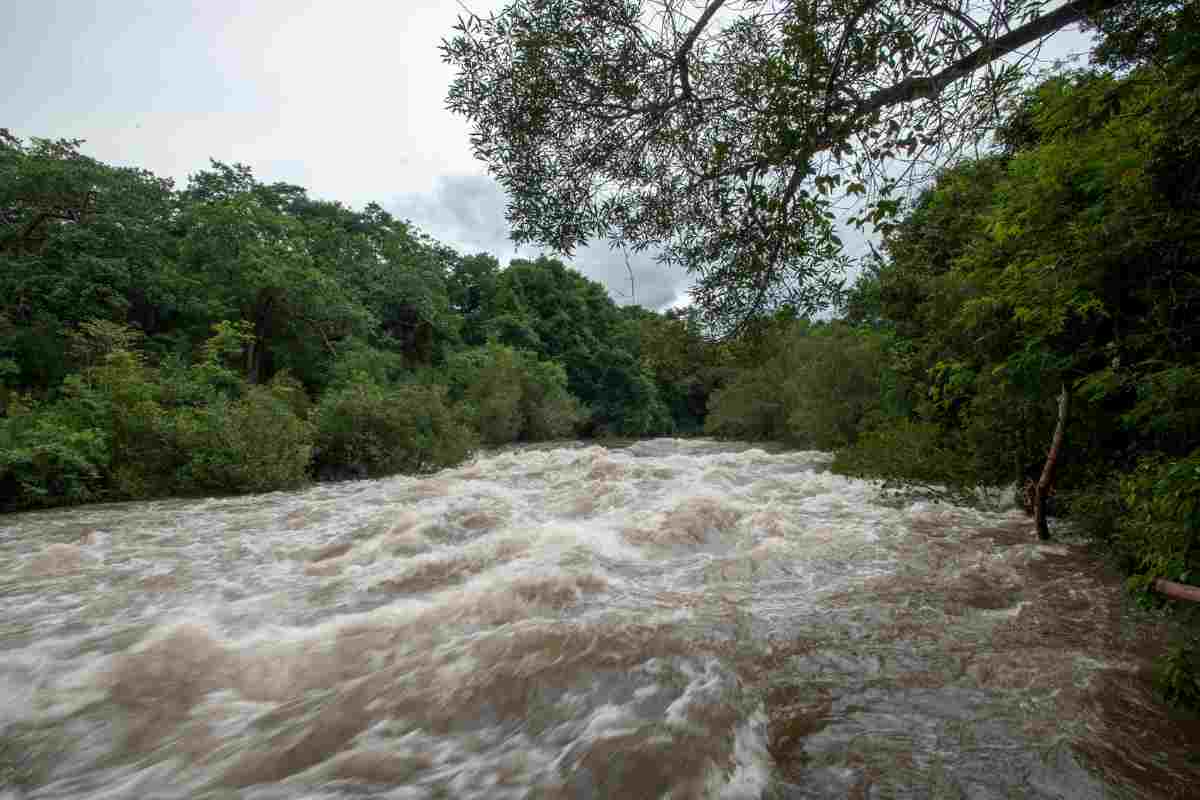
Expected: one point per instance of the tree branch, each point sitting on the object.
(929, 86)
(689, 41)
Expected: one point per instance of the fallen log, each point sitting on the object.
(1180, 591)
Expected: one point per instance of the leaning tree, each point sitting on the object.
(721, 133)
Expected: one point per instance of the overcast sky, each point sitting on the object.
(344, 97)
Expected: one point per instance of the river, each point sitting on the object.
(672, 619)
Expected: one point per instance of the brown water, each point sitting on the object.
(676, 619)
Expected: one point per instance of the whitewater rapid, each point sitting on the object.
(672, 619)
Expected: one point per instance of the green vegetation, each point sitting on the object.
(1062, 262)
(235, 336)
(722, 135)
(1066, 258)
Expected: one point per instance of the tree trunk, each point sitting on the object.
(257, 352)
(1045, 484)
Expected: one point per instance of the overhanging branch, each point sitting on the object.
(689, 41)
(929, 86)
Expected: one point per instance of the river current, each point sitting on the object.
(673, 619)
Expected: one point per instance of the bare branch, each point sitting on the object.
(689, 41)
(918, 87)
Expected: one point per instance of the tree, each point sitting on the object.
(252, 258)
(471, 286)
(720, 133)
(545, 307)
(79, 240)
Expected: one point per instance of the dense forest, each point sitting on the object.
(235, 336)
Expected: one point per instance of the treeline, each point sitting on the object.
(1068, 258)
(236, 336)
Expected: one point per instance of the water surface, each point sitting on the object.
(673, 619)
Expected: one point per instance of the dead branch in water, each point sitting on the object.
(1046, 483)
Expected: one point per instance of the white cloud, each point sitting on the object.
(467, 212)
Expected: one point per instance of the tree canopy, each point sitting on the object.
(236, 335)
(719, 133)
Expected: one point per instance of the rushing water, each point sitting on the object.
(676, 619)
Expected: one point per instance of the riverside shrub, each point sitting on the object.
(253, 444)
(46, 461)
(510, 395)
(379, 430)
(820, 389)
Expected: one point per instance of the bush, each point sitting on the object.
(372, 430)
(120, 396)
(45, 461)
(821, 389)
(906, 451)
(753, 406)
(1159, 529)
(253, 444)
(548, 410)
(510, 395)
(1177, 675)
(356, 357)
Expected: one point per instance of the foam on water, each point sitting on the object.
(673, 619)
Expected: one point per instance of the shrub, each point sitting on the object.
(253, 444)
(510, 395)
(753, 406)
(45, 461)
(1161, 523)
(380, 430)
(356, 357)
(906, 451)
(1177, 675)
(120, 396)
(836, 388)
(821, 389)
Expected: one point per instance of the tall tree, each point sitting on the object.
(251, 260)
(719, 132)
(79, 240)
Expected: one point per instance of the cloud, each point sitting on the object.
(467, 213)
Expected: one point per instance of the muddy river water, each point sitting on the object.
(673, 619)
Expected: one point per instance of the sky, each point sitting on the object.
(343, 97)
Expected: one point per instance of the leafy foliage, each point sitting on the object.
(223, 338)
(252, 444)
(721, 135)
(1160, 526)
(544, 307)
(379, 430)
(816, 391)
(1178, 676)
(510, 395)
